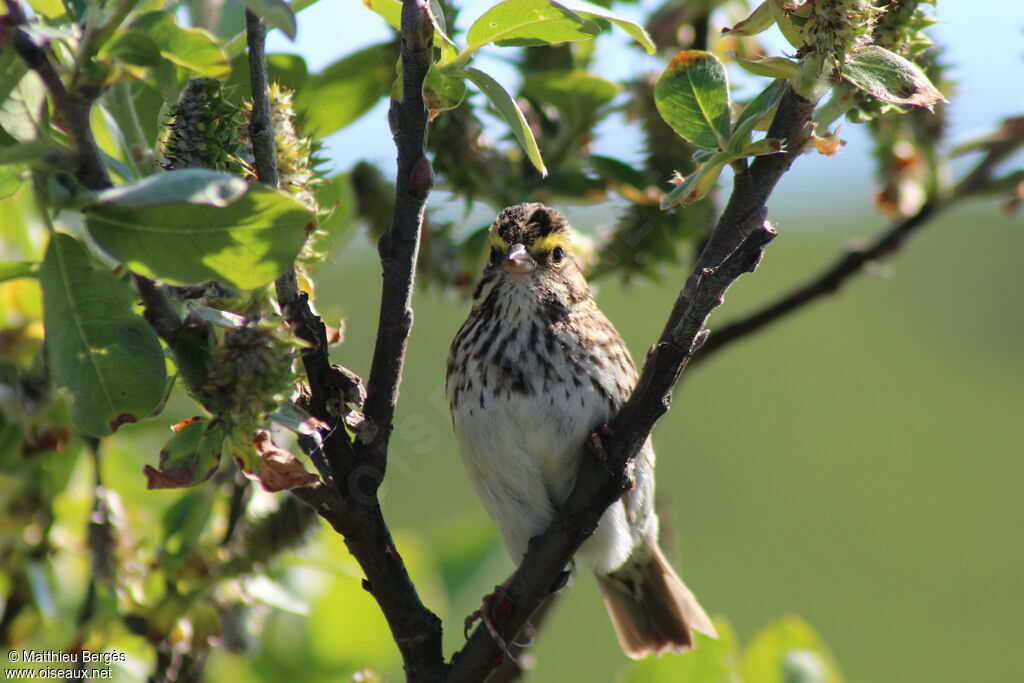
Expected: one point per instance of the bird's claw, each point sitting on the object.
(485, 616)
(596, 444)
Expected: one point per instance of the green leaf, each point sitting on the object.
(442, 92)
(246, 242)
(521, 23)
(697, 185)
(10, 181)
(190, 457)
(107, 357)
(590, 10)
(276, 13)
(578, 95)
(12, 69)
(187, 186)
(51, 9)
(347, 89)
(15, 269)
(712, 661)
(21, 112)
(132, 47)
(890, 78)
(755, 112)
(790, 20)
(192, 48)
(692, 95)
(770, 67)
(789, 651)
(760, 19)
(509, 110)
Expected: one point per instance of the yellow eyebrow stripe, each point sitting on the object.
(546, 244)
(495, 240)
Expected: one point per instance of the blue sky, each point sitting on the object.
(984, 41)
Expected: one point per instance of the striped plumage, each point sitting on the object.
(533, 371)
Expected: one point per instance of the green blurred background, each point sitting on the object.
(857, 464)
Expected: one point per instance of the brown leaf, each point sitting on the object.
(279, 470)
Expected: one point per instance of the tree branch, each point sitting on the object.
(351, 506)
(399, 246)
(855, 261)
(72, 109)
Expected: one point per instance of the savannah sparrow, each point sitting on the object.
(533, 371)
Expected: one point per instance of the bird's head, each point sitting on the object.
(531, 255)
(530, 240)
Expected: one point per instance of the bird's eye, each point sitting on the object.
(495, 256)
(557, 254)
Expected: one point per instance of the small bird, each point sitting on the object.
(533, 372)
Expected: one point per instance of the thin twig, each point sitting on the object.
(399, 246)
(72, 110)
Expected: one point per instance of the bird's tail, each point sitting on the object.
(652, 610)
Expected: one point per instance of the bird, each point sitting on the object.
(533, 372)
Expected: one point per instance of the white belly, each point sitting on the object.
(522, 444)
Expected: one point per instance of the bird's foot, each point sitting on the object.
(596, 444)
(496, 606)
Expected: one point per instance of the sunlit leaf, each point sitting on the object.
(692, 95)
(890, 78)
(760, 19)
(192, 48)
(509, 110)
(590, 10)
(10, 180)
(107, 357)
(442, 92)
(21, 112)
(132, 47)
(755, 112)
(519, 23)
(789, 651)
(697, 185)
(242, 239)
(51, 9)
(771, 67)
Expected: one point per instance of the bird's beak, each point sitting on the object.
(519, 261)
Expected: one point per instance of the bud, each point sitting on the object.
(205, 131)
